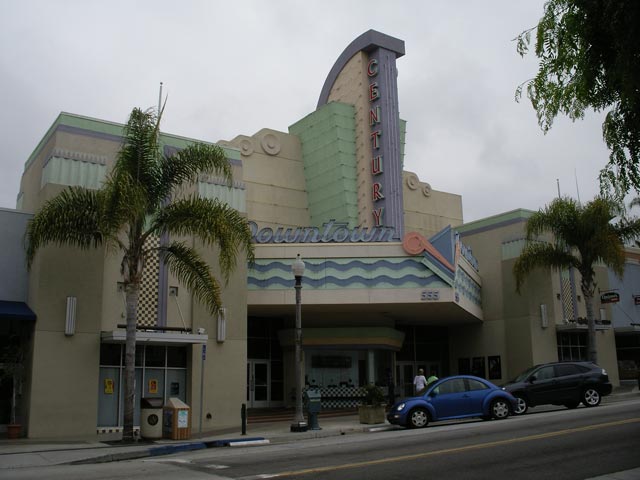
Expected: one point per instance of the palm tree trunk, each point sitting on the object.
(591, 323)
(588, 289)
(132, 295)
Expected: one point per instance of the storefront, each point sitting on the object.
(390, 283)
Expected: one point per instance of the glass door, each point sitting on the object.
(405, 371)
(258, 383)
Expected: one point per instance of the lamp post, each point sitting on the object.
(299, 424)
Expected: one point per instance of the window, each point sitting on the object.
(545, 373)
(567, 369)
(452, 386)
(476, 385)
(154, 356)
(572, 346)
(110, 354)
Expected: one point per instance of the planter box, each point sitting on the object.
(371, 415)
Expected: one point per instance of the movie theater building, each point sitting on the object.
(393, 280)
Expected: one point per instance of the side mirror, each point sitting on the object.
(532, 379)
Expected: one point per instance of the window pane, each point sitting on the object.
(139, 355)
(154, 356)
(452, 386)
(564, 370)
(476, 385)
(177, 357)
(110, 354)
(545, 373)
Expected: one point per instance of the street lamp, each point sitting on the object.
(299, 424)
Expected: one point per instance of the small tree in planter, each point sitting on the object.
(372, 410)
(12, 368)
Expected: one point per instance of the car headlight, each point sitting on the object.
(400, 407)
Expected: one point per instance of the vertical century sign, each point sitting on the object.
(379, 112)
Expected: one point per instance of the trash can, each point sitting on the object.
(150, 417)
(176, 420)
(313, 399)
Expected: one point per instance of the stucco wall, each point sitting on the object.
(64, 382)
(428, 211)
(274, 178)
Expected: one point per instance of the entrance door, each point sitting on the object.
(258, 383)
(406, 371)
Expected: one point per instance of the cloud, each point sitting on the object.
(232, 68)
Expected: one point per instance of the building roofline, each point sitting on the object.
(113, 129)
(495, 221)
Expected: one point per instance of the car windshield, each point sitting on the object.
(524, 375)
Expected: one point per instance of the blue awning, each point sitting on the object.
(16, 310)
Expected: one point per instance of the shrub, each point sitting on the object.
(373, 395)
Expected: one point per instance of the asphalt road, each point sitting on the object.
(561, 444)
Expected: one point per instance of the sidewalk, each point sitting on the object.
(26, 452)
(31, 453)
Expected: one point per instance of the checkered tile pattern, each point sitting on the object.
(567, 297)
(148, 302)
(341, 397)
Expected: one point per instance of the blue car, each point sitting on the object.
(460, 396)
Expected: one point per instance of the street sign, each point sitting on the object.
(610, 297)
(204, 352)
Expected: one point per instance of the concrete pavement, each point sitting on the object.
(26, 452)
(31, 453)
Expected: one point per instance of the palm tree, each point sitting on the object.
(635, 203)
(140, 199)
(582, 236)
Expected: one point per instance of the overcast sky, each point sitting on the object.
(234, 67)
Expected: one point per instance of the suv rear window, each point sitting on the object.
(563, 370)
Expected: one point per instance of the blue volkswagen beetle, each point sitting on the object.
(460, 396)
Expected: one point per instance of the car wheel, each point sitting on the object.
(521, 406)
(572, 404)
(418, 418)
(499, 409)
(591, 397)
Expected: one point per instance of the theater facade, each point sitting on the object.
(394, 279)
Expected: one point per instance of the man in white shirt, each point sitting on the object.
(419, 382)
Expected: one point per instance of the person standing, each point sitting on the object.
(419, 382)
(432, 378)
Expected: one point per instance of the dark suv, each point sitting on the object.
(560, 383)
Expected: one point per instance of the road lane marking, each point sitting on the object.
(445, 451)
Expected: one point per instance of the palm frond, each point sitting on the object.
(541, 255)
(139, 158)
(75, 217)
(185, 165)
(213, 222)
(557, 218)
(193, 271)
(126, 200)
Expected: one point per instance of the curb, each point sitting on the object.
(170, 449)
(236, 442)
